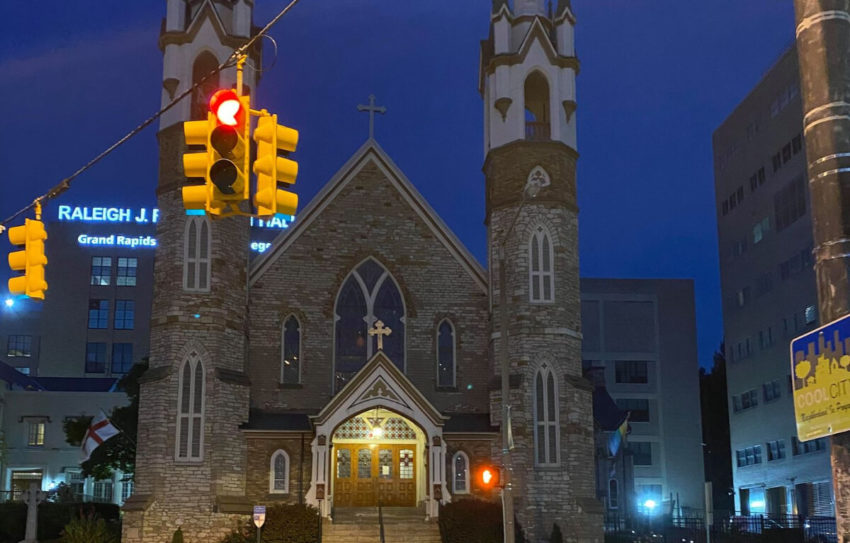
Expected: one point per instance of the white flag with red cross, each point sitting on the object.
(99, 431)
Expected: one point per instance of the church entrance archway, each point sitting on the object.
(378, 458)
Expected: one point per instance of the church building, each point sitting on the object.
(365, 371)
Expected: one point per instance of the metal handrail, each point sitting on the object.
(381, 521)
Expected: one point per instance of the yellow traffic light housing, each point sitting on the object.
(224, 162)
(30, 259)
(272, 170)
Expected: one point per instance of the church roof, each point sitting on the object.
(370, 151)
(469, 423)
(259, 419)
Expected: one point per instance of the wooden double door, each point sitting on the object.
(364, 474)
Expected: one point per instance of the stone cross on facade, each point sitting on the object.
(32, 497)
(372, 109)
(380, 331)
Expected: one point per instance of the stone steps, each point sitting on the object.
(360, 525)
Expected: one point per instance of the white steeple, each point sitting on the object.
(527, 75)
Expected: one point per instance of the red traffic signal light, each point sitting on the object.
(488, 477)
(227, 107)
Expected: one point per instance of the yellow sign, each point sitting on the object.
(820, 368)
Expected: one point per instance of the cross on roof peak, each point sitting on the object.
(372, 109)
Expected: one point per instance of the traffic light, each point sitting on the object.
(488, 477)
(30, 259)
(273, 170)
(224, 162)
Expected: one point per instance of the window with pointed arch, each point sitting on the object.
(545, 417)
(290, 370)
(196, 255)
(537, 124)
(369, 294)
(460, 473)
(446, 354)
(541, 275)
(204, 64)
(190, 409)
(279, 473)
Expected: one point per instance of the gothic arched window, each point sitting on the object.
(368, 295)
(279, 473)
(545, 417)
(196, 256)
(290, 371)
(203, 65)
(540, 273)
(537, 125)
(190, 409)
(445, 354)
(460, 473)
(613, 494)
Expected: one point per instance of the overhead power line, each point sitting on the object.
(65, 183)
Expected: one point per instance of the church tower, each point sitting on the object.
(190, 459)
(527, 82)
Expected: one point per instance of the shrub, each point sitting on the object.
(178, 536)
(52, 518)
(285, 523)
(471, 521)
(89, 528)
(556, 536)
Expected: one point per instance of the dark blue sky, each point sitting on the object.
(657, 77)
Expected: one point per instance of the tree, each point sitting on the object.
(118, 453)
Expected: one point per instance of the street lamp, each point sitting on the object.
(531, 189)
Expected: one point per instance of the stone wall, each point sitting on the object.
(261, 446)
(368, 218)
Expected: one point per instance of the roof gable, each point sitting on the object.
(370, 152)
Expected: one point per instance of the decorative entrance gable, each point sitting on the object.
(380, 385)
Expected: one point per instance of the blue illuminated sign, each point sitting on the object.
(107, 214)
(115, 240)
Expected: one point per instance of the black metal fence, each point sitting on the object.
(726, 528)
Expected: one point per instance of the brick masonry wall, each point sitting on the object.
(368, 218)
(543, 332)
(261, 447)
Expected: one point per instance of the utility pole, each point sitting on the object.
(823, 49)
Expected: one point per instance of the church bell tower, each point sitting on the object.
(527, 82)
(190, 458)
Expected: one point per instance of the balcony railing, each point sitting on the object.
(537, 131)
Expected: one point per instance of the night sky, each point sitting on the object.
(657, 77)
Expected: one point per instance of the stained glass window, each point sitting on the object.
(291, 370)
(405, 463)
(541, 276)
(545, 417)
(279, 473)
(190, 402)
(385, 463)
(364, 464)
(445, 355)
(460, 469)
(343, 463)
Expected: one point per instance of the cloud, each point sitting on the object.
(75, 55)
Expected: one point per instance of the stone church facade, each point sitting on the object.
(356, 360)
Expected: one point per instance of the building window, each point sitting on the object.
(77, 483)
(642, 453)
(203, 72)
(127, 268)
(748, 456)
(103, 491)
(747, 400)
(541, 276)
(98, 314)
(196, 261)
(797, 144)
(545, 417)
(35, 434)
(811, 314)
(125, 311)
(537, 125)
(127, 488)
(445, 354)
(460, 473)
(760, 229)
(725, 207)
(368, 295)
(761, 176)
(789, 203)
(613, 494)
(190, 404)
(101, 270)
(771, 391)
(777, 162)
(637, 408)
(290, 371)
(805, 447)
(775, 450)
(786, 153)
(279, 473)
(19, 346)
(631, 371)
(122, 357)
(95, 357)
